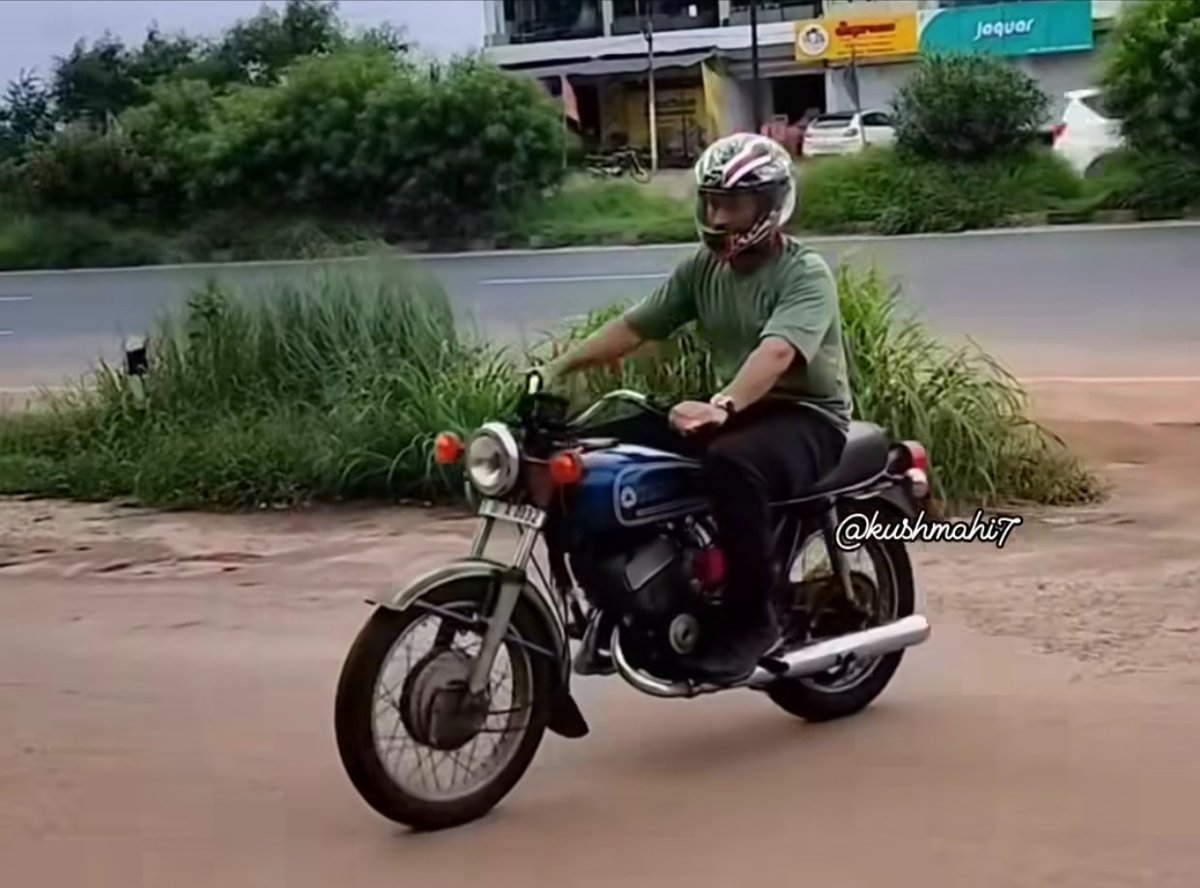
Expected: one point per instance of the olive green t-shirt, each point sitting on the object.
(794, 298)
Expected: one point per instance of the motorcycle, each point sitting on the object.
(623, 161)
(633, 574)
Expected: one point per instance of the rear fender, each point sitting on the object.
(893, 498)
(566, 718)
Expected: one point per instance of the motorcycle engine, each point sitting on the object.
(664, 590)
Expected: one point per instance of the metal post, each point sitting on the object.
(754, 76)
(648, 33)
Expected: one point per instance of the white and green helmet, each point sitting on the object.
(745, 162)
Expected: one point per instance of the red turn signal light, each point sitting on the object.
(448, 449)
(566, 468)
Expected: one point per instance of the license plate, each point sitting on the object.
(513, 513)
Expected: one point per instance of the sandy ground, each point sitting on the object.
(166, 687)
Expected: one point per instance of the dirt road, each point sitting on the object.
(166, 688)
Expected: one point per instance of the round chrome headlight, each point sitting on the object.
(493, 460)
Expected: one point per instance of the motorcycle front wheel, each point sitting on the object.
(395, 706)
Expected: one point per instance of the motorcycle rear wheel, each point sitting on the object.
(818, 699)
(358, 739)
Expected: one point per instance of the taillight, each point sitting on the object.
(1056, 132)
(917, 472)
(917, 455)
(566, 468)
(448, 449)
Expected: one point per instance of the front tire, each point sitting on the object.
(808, 699)
(357, 697)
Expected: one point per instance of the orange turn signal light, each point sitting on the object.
(448, 448)
(566, 468)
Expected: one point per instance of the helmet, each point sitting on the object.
(745, 162)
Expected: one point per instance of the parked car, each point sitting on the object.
(847, 132)
(1086, 133)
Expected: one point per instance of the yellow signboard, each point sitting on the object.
(868, 37)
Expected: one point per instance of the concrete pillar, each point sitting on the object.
(724, 8)
(606, 16)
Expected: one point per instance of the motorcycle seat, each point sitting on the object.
(864, 457)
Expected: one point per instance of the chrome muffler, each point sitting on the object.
(811, 660)
(835, 652)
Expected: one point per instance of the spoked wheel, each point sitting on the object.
(638, 172)
(881, 575)
(417, 745)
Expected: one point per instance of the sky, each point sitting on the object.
(32, 32)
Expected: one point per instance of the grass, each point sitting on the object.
(334, 388)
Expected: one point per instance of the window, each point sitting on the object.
(876, 118)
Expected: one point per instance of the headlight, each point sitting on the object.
(493, 460)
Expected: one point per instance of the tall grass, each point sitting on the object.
(329, 390)
(970, 413)
(335, 388)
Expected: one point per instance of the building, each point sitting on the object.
(813, 56)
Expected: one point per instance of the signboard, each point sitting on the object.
(868, 37)
(1011, 29)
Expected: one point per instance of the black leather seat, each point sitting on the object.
(864, 457)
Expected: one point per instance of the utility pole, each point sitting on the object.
(756, 81)
(648, 33)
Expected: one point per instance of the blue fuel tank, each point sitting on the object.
(628, 486)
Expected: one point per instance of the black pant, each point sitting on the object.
(769, 452)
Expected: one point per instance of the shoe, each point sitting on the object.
(593, 657)
(738, 655)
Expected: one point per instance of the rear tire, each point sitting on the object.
(356, 697)
(799, 698)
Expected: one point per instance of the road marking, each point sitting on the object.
(6, 332)
(568, 251)
(16, 299)
(572, 279)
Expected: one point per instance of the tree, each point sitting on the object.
(26, 116)
(94, 84)
(256, 50)
(967, 107)
(1152, 76)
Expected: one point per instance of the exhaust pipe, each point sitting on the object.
(810, 660)
(835, 652)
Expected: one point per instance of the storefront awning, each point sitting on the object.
(602, 67)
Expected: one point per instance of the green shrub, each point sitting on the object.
(1151, 77)
(967, 107)
(335, 388)
(1156, 183)
(77, 240)
(88, 170)
(898, 195)
(606, 212)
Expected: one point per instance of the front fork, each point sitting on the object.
(505, 601)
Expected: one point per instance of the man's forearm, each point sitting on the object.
(760, 372)
(614, 340)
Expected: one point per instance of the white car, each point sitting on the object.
(1086, 132)
(847, 132)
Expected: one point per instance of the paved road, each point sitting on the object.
(1046, 300)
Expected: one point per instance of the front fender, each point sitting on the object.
(566, 718)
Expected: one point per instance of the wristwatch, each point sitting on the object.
(725, 403)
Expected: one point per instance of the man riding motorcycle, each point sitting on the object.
(768, 308)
